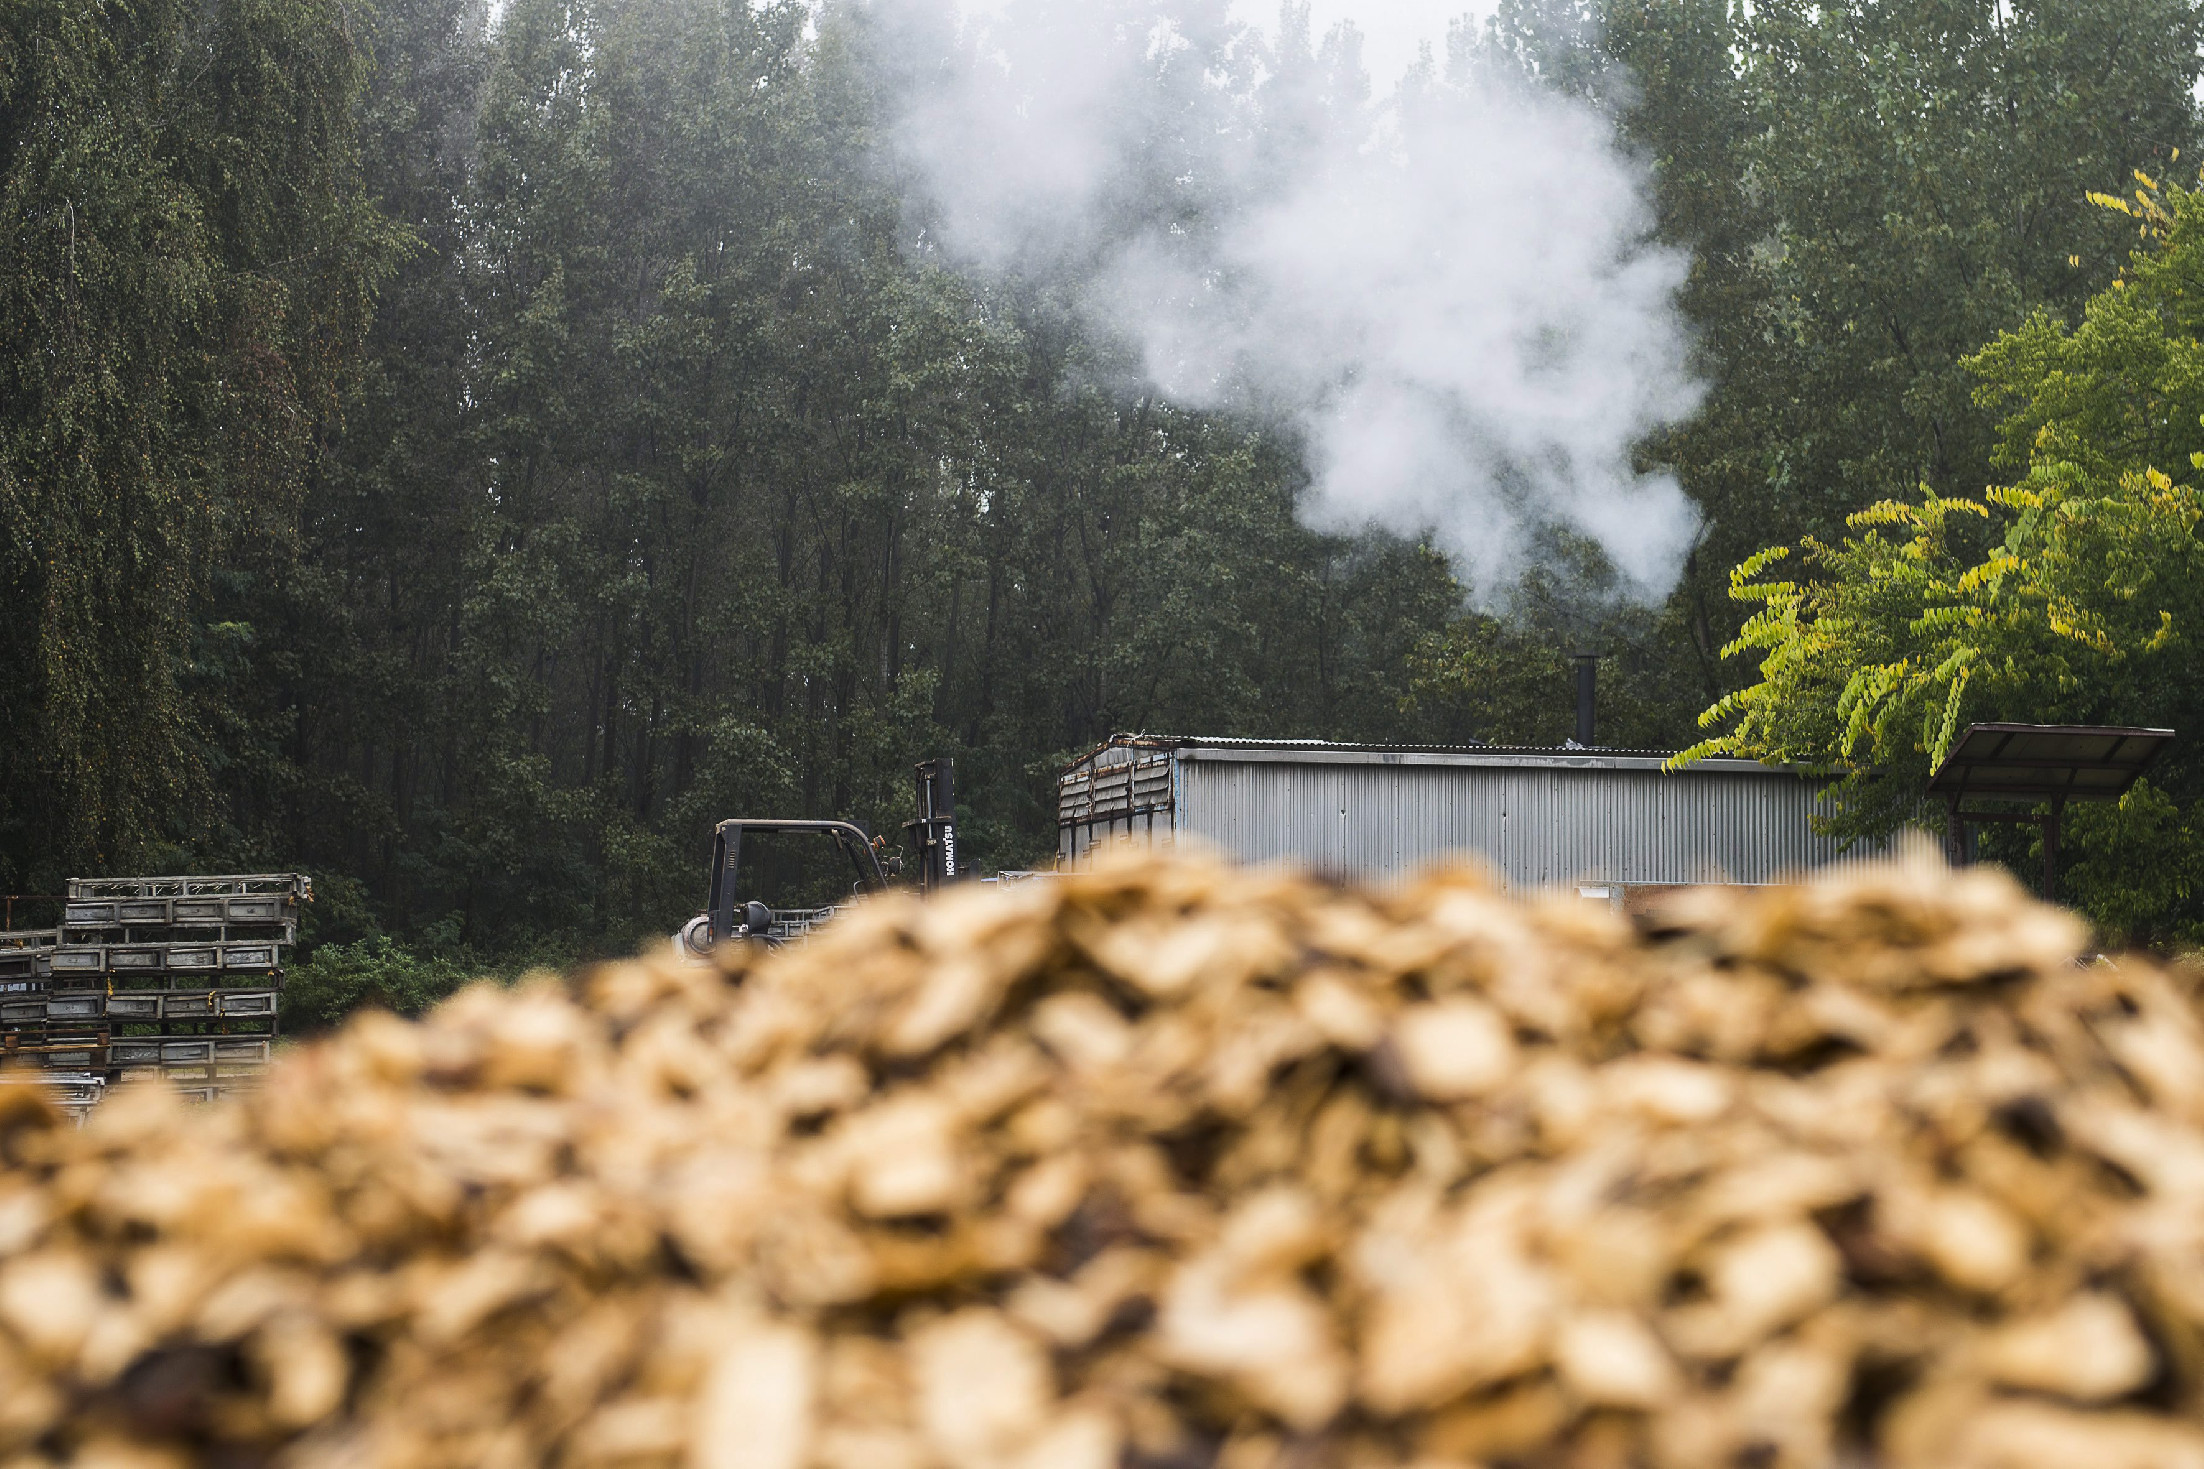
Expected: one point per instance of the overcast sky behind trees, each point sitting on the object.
(1392, 29)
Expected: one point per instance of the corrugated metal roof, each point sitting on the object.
(1570, 757)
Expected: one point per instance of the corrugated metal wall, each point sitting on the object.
(1542, 817)
(1539, 824)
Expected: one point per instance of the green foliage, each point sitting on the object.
(679, 480)
(465, 458)
(2074, 595)
(1511, 679)
(190, 261)
(377, 973)
(2142, 867)
(1871, 191)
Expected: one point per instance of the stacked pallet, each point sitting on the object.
(26, 970)
(170, 976)
(26, 958)
(26, 974)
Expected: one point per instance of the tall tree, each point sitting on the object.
(1869, 192)
(2074, 593)
(191, 260)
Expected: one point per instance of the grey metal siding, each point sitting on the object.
(1539, 823)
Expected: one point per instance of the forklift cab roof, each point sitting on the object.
(727, 846)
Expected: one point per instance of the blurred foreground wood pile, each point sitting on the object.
(1172, 1167)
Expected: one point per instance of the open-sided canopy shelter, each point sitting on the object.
(2041, 764)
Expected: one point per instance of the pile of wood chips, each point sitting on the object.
(1172, 1165)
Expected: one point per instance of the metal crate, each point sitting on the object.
(69, 1089)
(26, 964)
(253, 909)
(187, 1052)
(22, 1009)
(72, 1058)
(262, 910)
(186, 1006)
(135, 1005)
(256, 884)
(250, 911)
(88, 1005)
(259, 955)
(127, 1051)
(245, 1003)
(236, 1048)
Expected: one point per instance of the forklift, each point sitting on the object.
(775, 881)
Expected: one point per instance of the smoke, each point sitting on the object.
(1450, 297)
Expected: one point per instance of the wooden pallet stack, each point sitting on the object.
(26, 976)
(26, 962)
(175, 976)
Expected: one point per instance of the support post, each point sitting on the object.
(2051, 825)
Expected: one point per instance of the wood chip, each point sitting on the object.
(1167, 1163)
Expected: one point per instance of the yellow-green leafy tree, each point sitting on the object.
(2073, 594)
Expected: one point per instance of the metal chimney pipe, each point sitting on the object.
(1587, 698)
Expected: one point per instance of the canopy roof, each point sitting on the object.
(2046, 762)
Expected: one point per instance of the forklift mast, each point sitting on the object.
(933, 836)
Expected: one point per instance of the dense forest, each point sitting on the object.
(461, 450)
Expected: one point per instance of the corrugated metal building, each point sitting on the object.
(1542, 817)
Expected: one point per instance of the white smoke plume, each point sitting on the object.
(1452, 298)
